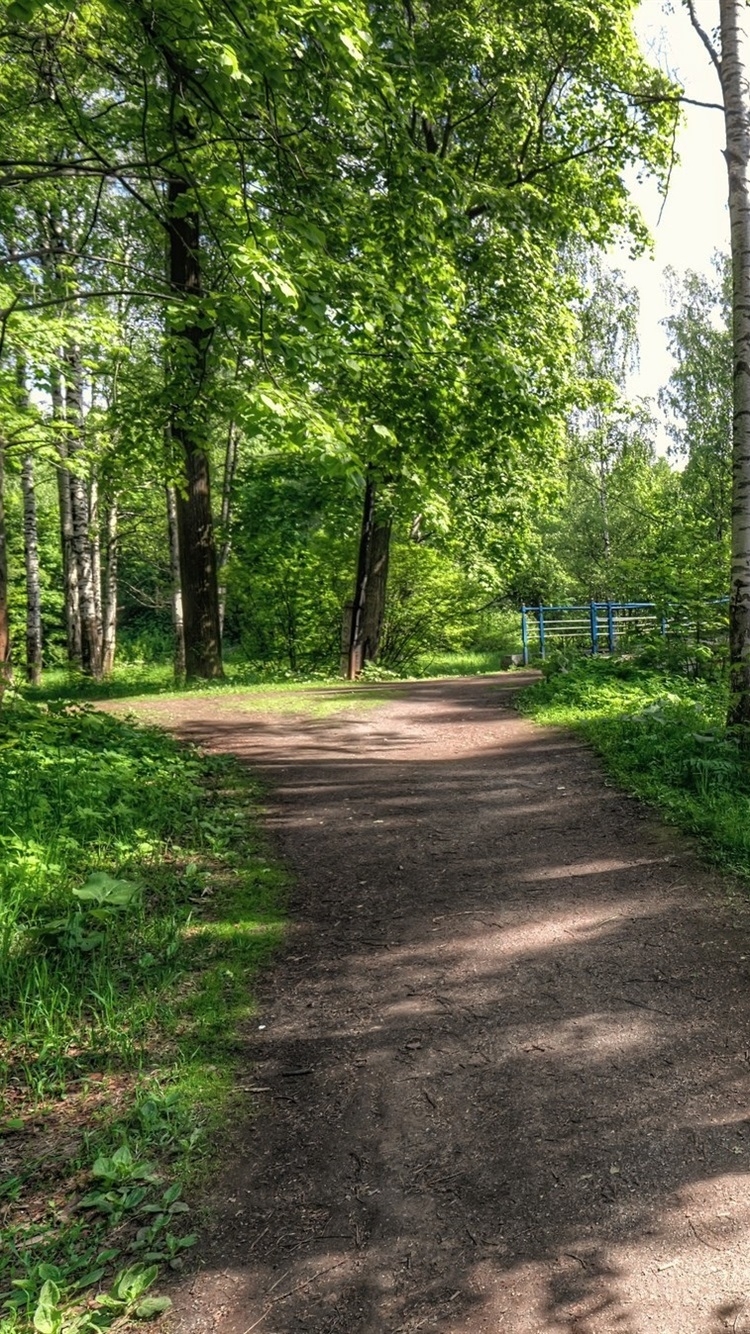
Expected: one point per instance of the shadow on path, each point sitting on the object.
(502, 1076)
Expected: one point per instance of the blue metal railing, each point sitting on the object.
(599, 623)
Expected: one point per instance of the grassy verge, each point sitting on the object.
(662, 738)
(131, 680)
(136, 905)
(454, 664)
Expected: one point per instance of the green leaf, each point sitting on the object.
(104, 889)
(348, 41)
(130, 1283)
(152, 1306)
(48, 1316)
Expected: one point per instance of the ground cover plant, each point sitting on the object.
(136, 904)
(663, 737)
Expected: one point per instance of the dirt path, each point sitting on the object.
(504, 1061)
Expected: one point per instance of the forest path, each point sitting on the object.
(504, 1058)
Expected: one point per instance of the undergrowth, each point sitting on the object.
(663, 738)
(136, 905)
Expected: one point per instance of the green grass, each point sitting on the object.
(662, 738)
(138, 680)
(157, 678)
(454, 664)
(136, 906)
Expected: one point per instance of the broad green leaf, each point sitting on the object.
(152, 1306)
(104, 889)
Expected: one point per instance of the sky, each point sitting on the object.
(693, 222)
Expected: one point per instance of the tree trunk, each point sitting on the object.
(174, 561)
(373, 615)
(109, 623)
(197, 549)
(91, 648)
(734, 71)
(96, 548)
(230, 468)
(356, 661)
(30, 549)
(69, 567)
(5, 659)
(368, 608)
(31, 560)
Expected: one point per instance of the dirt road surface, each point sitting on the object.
(504, 1059)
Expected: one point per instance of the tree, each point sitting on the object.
(698, 400)
(731, 60)
(5, 641)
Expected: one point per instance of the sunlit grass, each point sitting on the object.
(119, 1021)
(664, 739)
(139, 680)
(454, 664)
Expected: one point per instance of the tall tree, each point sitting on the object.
(31, 561)
(5, 642)
(731, 60)
(698, 402)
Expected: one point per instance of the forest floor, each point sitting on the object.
(500, 1080)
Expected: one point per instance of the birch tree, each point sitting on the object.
(31, 560)
(731, 60)
(5, 658)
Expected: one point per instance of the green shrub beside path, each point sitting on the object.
(136, 904)
(662, 738)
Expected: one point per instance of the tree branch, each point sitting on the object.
(706, 40)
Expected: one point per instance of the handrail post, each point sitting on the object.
(541, 632)
(594, 629)
(524, 635)
(611, 627)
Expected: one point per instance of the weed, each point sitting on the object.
(135, 907)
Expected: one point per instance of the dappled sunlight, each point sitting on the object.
(505, 1075)
(588, 1036)
(594, 867)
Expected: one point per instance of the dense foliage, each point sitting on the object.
(374, 219)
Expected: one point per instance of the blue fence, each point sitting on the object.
(600, 625)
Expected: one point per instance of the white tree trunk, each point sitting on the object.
(174, 561)
(96, 546)
(91, 652)
(109, 628)
(69, 566)
(225, 550)
(5, 659)
(31, 560)
(734, 71)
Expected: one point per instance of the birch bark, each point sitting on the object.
(109, 625)
(69, 567)
(734, 71)
(91, 654)
(30, 549)
(96, 547)
(31, 561)
(174, 561)
(227, 490)
(5, 659)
